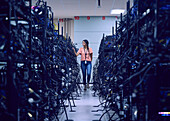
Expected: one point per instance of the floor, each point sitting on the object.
(85, 110)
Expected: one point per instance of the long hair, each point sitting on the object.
(87, 43)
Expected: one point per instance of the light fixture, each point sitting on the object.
(117, 11)
(99, 3)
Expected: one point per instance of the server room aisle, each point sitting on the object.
(85, 110)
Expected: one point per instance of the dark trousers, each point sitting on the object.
(86, 68)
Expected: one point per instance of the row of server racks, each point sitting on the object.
(132, 73)
(38, 69)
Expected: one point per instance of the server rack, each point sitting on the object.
(140, 66)
(39, 71)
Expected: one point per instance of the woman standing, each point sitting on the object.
(86, 59)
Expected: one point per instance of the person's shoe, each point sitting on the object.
(88, 85)
(85, 88)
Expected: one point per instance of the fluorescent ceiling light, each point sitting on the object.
(117, 11)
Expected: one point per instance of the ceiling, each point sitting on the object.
(71, 8)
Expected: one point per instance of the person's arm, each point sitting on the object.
(75, 52)
(91, 55)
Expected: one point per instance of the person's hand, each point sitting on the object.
(74, 49)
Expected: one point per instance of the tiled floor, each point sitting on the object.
(84, 108)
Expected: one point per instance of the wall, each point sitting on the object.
(93, 31)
